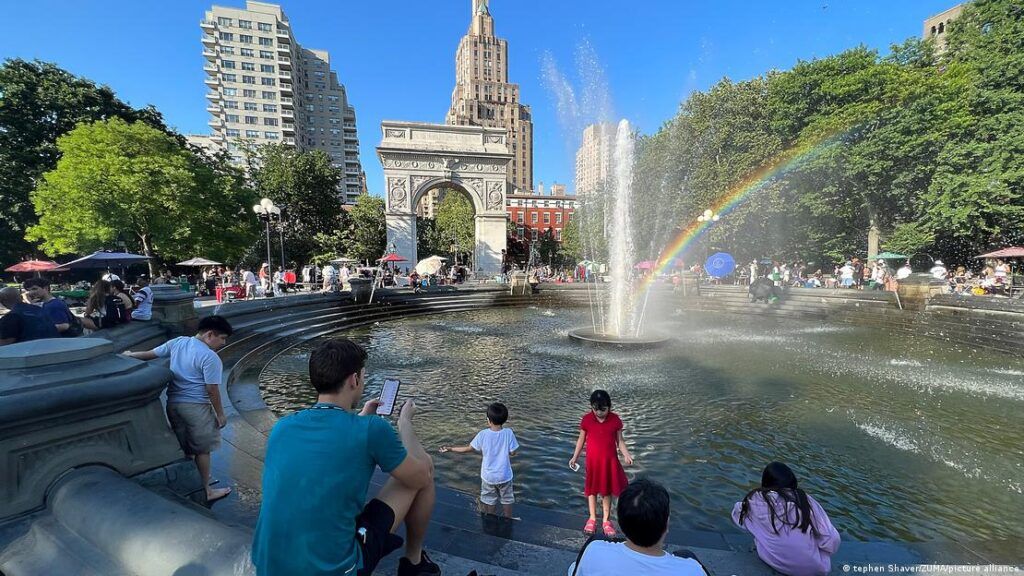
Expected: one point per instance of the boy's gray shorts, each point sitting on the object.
(491, 494)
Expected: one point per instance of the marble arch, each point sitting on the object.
(417, 157)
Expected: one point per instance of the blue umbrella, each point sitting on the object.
(720, 264)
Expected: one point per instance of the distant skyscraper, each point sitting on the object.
(483, 95)
(938, 25)
(266, 88)
(594, 157)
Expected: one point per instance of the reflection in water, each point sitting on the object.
(898, 438)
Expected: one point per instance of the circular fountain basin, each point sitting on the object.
(590, 336)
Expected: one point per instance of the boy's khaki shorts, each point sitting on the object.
(491, 494)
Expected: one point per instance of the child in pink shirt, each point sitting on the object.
(792, 533)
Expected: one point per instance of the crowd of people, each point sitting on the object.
(319, 463)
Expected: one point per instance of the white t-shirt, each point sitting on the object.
(604, 558)
(250, 278)
(143, 304)
(495, 446)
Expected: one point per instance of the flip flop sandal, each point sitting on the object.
(608, 529)
(590, 527)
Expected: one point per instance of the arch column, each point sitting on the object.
(402, 234)
(491, 241)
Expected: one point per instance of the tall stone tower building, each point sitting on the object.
(594, 157)
(266, 88)
(483, 95)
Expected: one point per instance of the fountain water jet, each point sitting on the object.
(623, 325)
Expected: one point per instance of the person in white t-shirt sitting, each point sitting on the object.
(497, 444)
(643, 510)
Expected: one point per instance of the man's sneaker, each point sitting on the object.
(426, 567)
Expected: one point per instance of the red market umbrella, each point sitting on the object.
(392, 258)
(32, 266)
(1011, 252)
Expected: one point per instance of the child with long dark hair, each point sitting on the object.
(792, 533)
(601, 432)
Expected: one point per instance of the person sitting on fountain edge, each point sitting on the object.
(317, 471)
(643, 516)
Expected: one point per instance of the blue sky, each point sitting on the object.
(396, 58)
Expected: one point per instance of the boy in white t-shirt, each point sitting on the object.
(497, 444)
(643, 510)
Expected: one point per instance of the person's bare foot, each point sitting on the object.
(214, 494)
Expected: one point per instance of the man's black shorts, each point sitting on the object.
(377, 518)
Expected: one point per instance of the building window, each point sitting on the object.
(250, 106)
(247, 24)
(558, 234)
(232, 118)
(520, 218)
(267, 68)
(268, 95)
(263, 26)
(270, 107)
(245, 38)
(229, 77)
(230, 91)
(266, 41)
(227, 36)
(252, 120)
(268, 81)
(227, 63)
(519, 232)
(558, 218)
(248, 66)
(270, 121)
(229, 50)
(252, 133)
(942, 27)
(222, 21)
(270, 135)
(247, 52)
(266, 54)
(533, 218)
(248, 93)
(547, 218)
(232, 104)
(533, 234)
(232, 132)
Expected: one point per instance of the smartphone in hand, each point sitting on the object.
(388, 396)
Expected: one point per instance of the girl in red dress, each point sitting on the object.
(601, 431)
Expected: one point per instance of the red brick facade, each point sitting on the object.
(533, 214)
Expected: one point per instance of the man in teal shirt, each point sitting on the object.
(317, 471)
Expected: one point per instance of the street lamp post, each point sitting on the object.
(710, 217)
(267, 211)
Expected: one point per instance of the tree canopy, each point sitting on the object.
(115, 177)
(39, 102)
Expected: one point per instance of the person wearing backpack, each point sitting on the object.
(23, 322)
(68, 325)
(105, 308)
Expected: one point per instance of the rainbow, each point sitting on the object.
(756, 181)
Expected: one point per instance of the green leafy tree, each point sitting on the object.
(571, 250)
(456, 222)
(306, 184)
(114, 177)
(369, 229)
(428, 238)
(547, 248)
(39, 102)
(909, 238)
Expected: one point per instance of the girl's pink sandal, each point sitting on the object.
(590, 527)
(609, 530)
